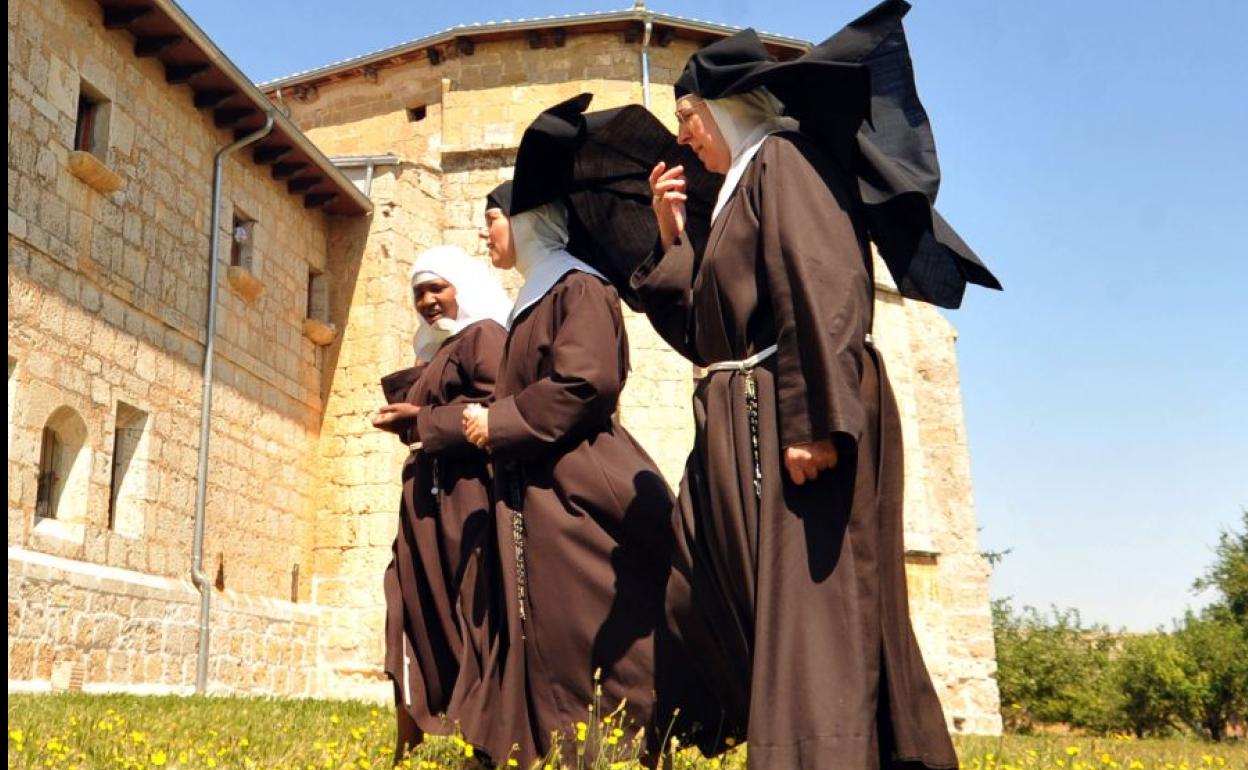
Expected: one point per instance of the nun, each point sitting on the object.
(442, 589)
(585, 518)
(793, 491)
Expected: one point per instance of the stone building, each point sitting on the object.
(107, 304)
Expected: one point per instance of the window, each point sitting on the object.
(242, 241)
(91, 127)
(318, 296)
(417, 113)
(84, 131)
(128, 487)
(64, 465)
(49, 479)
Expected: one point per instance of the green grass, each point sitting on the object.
(118, 732)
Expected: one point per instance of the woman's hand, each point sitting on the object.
(477, 425)
(667, 191)
(392, 417)
(805, 461)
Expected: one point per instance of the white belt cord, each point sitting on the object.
(746, 368)
(745, 363)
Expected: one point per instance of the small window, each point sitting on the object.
(242, 241)
(91, 127)
(84, 133)
(128, 488)
(318, 296)
(417, 113)
(64, 465)
(49, 476)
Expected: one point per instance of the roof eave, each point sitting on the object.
(523, 25)
(353, 201)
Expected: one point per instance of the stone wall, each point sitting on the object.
(75, 625)
(106, 307)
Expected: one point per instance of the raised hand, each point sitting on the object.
(667, 190)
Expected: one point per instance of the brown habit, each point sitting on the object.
(813, 656)
(597, 518)
(443, 642)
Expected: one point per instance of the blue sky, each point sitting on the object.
(1093, 154)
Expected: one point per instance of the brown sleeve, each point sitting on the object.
(664, 284)
(586, 373)
(820, 293)
(396, 384)
(440, 428)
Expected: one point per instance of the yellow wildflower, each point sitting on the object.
(581, 730)
(159, 758)
(17, 736)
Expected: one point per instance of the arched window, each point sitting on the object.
(64, 468)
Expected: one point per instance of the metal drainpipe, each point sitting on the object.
(645, 62)
(201, 479)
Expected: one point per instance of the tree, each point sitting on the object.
(1228, 574)
(1218, 650)
(1154, 676)
(1051, 668)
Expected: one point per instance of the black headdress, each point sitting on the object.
(892, 150)
(599, 163)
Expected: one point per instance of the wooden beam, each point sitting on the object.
(304, 183)
(287, 170)
(224, 117)
(211, 98)
(176, 74)
(465, 46)
(150, 46)
(318, 199)
(120, 18)
(266, 154)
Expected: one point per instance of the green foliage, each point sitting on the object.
(1051, 668)
(1154, 676)
(1054, 670)
(1228, 574)
(1216, 649)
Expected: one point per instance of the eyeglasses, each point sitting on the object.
(682, 116)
